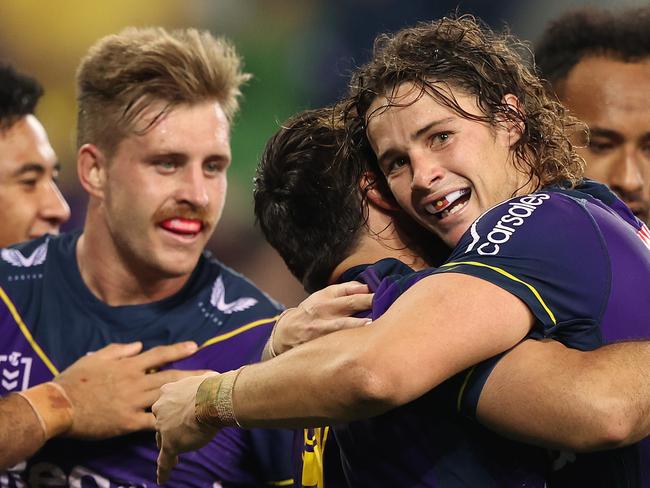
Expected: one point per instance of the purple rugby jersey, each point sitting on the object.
(577, 258)
(49, 318)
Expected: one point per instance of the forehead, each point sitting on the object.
(609, 93)
(25, 142)
(200, 128)
(412, 105)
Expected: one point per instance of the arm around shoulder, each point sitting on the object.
(546, 394)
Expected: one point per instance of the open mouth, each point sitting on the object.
(449, 204)
(182, 227)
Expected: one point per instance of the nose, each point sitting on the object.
(627, 176)
(54, 209)
(425, 172)
(194, 188)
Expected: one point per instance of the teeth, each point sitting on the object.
(443, 203)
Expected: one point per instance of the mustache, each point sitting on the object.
(183, 212)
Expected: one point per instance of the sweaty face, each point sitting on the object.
(165, 190)
(443, 169)
(613, 98)
(30, 202)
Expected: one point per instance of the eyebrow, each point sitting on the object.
(35, 168)
(607, 133)
(415, 135)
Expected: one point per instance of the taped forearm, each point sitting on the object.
(214, 404)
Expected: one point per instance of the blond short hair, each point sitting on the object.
(123, 74)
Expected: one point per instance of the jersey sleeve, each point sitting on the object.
(546, 249)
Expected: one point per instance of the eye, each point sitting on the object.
(439, 138)
(396, 164)
(166, 166)
(600, 146)
(214, 167)
(28, 183)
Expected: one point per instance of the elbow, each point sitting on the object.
(368, 388)
(614, 423)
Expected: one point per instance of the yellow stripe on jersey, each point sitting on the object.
(312, 459)
(461, 392)
(28, 335)
(237, 331)
(288, 482)
(510, 276)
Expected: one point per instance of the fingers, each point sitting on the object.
(344, 323)
(161, 355)
(119, 351)
(154, 381)
(145, 421)
(166, 461)
(349, 288)
(355, 303)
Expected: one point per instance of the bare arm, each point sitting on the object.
(546, 394)
(429, 334)
(102, 395)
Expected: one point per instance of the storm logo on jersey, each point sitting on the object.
(15, 372)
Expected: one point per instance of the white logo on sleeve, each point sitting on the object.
(16, 258)
(218, 299)
(518, 210)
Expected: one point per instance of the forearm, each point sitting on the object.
(363, 372)
(323, 380)
(29, 418)
(545, 394)
(20, 431)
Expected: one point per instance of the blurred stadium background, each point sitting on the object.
(300, 53)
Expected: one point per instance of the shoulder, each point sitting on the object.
(232, 293)
(529, 222)
(547, 249)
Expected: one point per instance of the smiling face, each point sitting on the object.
(613, 98)
(443, 169)
(162, 193)
(30, 202)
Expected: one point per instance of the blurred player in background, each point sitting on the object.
(30, 201)
(599, 65)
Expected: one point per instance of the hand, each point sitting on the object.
(325, 311)
(110, 389)
(177, 429)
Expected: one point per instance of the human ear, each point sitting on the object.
(512, 119)
(91, 168)
(377, 192)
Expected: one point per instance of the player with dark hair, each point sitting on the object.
(308, 147)
(474, 149)
(30, 201)
(155, 109)
(598, 63)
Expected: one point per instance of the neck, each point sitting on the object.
(109, 275)
(377, 241)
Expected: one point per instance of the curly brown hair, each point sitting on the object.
(466, 55)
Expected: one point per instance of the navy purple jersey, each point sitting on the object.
(580, 260)
(49, 319)
(577, 258)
